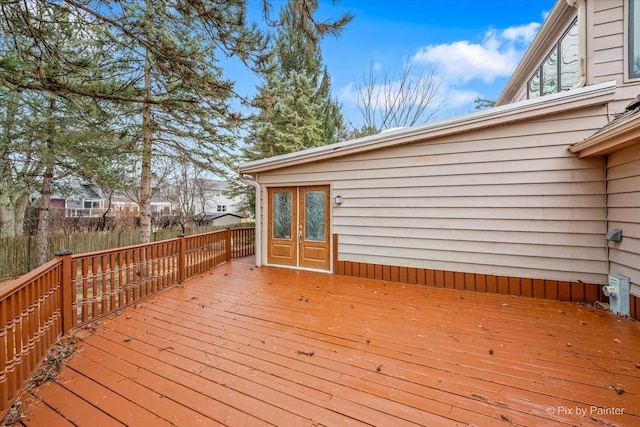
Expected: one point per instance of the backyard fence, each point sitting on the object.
(72, 290)
(17, 254)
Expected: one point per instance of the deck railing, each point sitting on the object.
(73, 290)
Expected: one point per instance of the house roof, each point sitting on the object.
(562, 11)
(620, 133)
(519, 111)
(222, 215)
(90, 193)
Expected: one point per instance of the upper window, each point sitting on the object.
(560, 70)
(634, 39)
(221, 208)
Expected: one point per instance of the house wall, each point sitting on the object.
(606, 50)
(509, 200)
(623, 197)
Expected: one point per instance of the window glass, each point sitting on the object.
(534, 85)
(634, 39)
(561, 69)
(282, 215)
(550, 73)
(570, 63)
(314, 214)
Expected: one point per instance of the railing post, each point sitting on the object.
(227, 248)
(182, 271)
(66, 306)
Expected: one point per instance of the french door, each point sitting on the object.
(299, 227)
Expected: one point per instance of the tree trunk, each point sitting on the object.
(145, 174)
(6, 227)
(42, 236)
(12, 209)
(20, 203)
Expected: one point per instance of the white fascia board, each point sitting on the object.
(609, 141)
(531, 108)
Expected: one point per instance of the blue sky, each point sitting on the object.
(474, 45)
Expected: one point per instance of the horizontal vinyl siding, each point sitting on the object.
(623, 188)
(606, 42)
(509, 201)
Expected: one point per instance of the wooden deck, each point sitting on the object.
(246, 346)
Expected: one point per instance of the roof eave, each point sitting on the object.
(609, 141)
(531, 108)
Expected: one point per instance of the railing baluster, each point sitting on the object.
(94, 286)
(85, 289)
(20, 337)
(5, 392)
(128, 273)
(54, 298)
(121, 286)
(113, 285)
(104, 274)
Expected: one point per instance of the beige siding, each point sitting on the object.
(605, 45)
(623, 199)
(509, 200)
(606, 50)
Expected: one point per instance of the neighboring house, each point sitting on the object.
(212, 198)
(82, 200)
(514, 199)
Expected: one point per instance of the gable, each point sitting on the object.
(563, 30)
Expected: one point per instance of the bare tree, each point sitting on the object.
(388, 100)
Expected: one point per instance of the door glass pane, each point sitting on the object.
(570, 65)
(282, 215)
(314, 206)
(550, 73)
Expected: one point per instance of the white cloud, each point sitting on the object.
(462, 67)
(497, 55)
(347, 94)
(457, 98)
(523, 33)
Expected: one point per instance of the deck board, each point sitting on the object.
(242, 345)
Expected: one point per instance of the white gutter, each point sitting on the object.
(258, 236)
(600, 93)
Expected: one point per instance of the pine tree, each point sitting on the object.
(161, 71)
(297, 110)
(151, 66)
(50, 132)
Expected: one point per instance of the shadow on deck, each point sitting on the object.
(246, 346)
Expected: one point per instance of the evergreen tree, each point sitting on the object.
(297, 110)
(49, 132)
(148, 67)
(161, 71)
